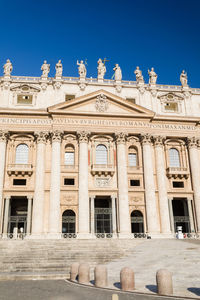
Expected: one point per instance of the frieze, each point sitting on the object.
(97, 122)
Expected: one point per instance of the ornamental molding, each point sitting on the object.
(170, 97)
(146, 139)
(41, 136)
(83, 136)
(159, 140)
(56, 136)
(121, 138)
(101, 103)
(192, 142)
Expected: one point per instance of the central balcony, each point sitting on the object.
(177, 172)
(20, 169)
(98, 169)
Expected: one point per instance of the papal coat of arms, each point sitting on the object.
(101, 103)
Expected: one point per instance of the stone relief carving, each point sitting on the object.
(41, 136)
(3, 135)
(101, 103)
(56, 136)
(45, 68)
(121, 138)
(83, 136)
(102, 182)
(146, 139)
(59, 69)
(158, 140)
(184, 79)
(8, 68)
(152, 76)
(138, 75)
(192, 142)
(101, 69)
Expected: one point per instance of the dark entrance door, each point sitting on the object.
(18, 214)
(103, 215)
(181, 214)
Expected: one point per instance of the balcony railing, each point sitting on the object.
(177, 172)
(101, 169)
(22, 169)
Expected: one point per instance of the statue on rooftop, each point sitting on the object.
(118, 72)
(59, 69)
(152, 76)
(138, 74)
(101, 69)
(81, 69)
(7, 68)
(184, 79)
(45, 68)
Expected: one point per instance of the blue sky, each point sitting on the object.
(163, 34)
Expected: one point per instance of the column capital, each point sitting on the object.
(192, 142)
(146, 139)
(30, 197)
(41, 136)
(83, 136)
(56, 136)
(158, 140)
(121, 137)
(3, 135)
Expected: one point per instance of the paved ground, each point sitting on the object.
(62, 290)
(181, 257)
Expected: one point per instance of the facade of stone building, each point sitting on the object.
(97, 158)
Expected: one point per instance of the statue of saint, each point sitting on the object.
(8, 68)
(138, 74)
(118, 72)
(59, 69)
(81, 69)
(45, 68)
(152, 76)
(101, 69)
(184, 79)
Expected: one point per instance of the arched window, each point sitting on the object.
(132, 157)
(174, 159)
(69, 221)
(137, 222)
(69, 155)
(101, 155)
(21, 154)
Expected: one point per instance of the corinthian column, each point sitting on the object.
(124, 216)
(3, 142)
(162, 190)
(38, 202)
(54, 205)
(151, 211)
(195, 173)
(83, 198)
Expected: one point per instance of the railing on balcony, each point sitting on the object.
(177, 172)
(100, 169)
(22, 169)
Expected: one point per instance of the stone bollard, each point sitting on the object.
(84, 274)
(100, 276)
(127, 279)
(164, 282)
(74, 271)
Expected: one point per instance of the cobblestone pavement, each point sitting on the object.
(62, 290)
(181, 257)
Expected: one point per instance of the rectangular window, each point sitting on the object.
(171, 106)
(69, 97)
(24, 99)
(134, 182)
(178, 184)
(69, 158)
(132, 100)
(132, 159)
(69, 181)
(19, 181)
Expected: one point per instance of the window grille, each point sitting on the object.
(21, 154)
(69, 158)
(132, 159)
(101, 155)
(174, 159)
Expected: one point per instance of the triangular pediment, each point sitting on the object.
(100, 103)
(24, 88)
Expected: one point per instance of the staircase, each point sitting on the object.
(51, 259)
